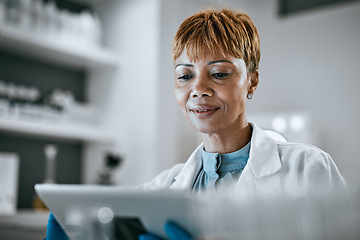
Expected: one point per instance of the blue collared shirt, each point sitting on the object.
(221, 168)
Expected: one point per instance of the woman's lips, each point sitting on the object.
(204, 111)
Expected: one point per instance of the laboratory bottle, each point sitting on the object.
(50, 152)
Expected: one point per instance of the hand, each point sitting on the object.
(172, 230)
(54, 230)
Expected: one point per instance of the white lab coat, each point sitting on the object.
(273, 166)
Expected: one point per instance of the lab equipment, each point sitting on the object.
(50, 151)
(111, 162)
(9, 169)
(47, 19)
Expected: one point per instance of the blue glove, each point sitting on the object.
(54, 230)
(172, 230)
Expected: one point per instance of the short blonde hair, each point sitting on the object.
(219, 32)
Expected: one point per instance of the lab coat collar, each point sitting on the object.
(264, 156)
(186, 178)
(263, 160)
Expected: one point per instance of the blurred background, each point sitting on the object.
(86, 89)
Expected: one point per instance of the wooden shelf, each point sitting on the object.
(57, 51)
(55, 129)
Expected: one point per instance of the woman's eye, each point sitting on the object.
(220, 75)
(184, 77)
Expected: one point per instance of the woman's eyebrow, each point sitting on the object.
(218, 61)
(184, 64)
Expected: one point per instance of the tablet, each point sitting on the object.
(82, 209)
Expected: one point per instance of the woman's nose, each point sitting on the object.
(201, 88)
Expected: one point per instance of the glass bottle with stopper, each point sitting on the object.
(50, 152)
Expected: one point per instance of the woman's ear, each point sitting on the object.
(254, 81)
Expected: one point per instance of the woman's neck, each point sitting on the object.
(229, 140)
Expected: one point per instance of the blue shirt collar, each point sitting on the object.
(224, 163)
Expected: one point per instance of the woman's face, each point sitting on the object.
(211, 92)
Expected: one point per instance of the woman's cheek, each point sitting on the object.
(180, 95)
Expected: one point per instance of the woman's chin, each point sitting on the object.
(205, 128)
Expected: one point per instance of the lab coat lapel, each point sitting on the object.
(186, 177)
(263, 160)
(264, 157)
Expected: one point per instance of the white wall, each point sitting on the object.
(132, 32)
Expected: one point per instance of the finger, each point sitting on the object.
(176, 232)
(149, 236)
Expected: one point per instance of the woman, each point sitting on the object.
(216, 56)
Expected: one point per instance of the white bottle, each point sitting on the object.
(13, 13)
(50, 151)
(2, 12)
(52, 13)
(98, 32)
(25, 14)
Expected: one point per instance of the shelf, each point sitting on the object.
(59, 52)
(28, 219)
(55, 129)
